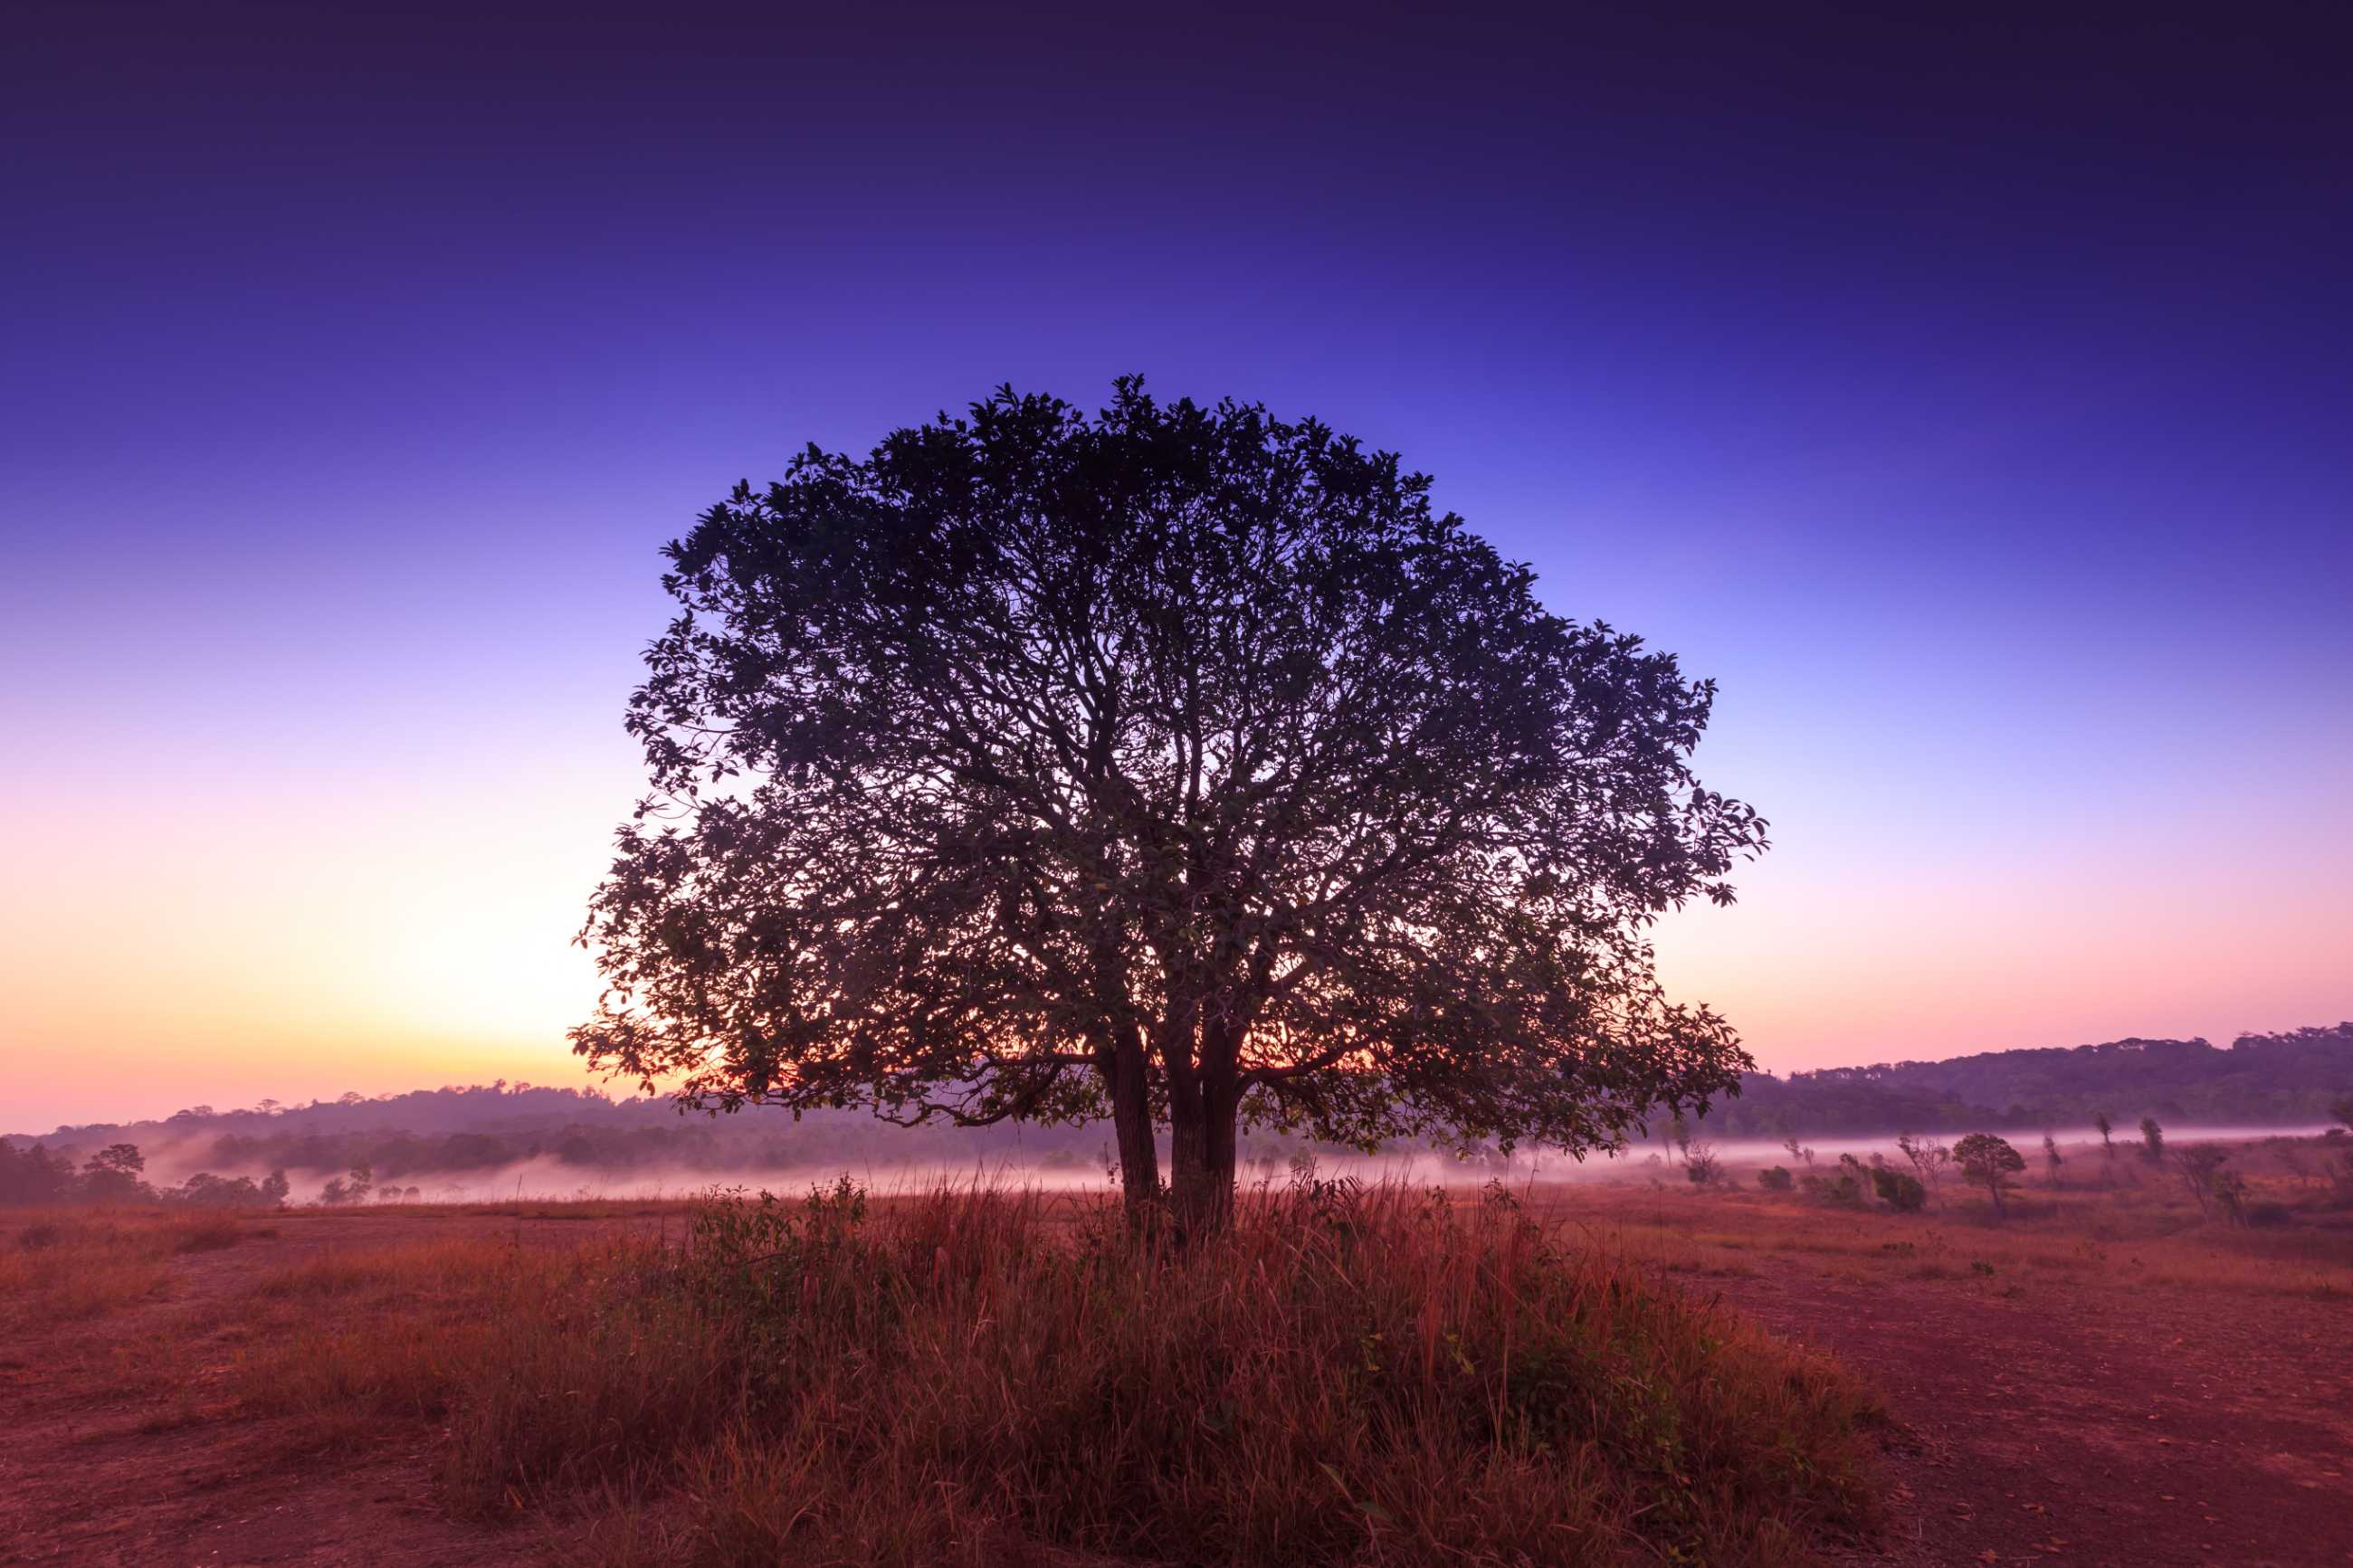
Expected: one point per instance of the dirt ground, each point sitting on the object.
(2077, 1425)
(96, 1470)
(2071, 1422)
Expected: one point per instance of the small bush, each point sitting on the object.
(1842, 1191)
(2268, 1216)
(1775, 1179)
(1903, 1194)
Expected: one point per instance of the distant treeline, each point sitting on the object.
(455, 1132)
(39, 1175)
(460, 1133)
(2260, 1080)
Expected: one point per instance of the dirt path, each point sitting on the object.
(2082, 1423)
(101, 1467)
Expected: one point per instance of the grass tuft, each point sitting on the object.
(1349, 1376)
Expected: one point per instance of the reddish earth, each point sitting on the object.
(95, 1471)
(2075, 1424)
(2083, 1424)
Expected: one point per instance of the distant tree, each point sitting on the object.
(1989, 1162)
(2107, 1145)
(205, 1190)
(34, 1174)
(1931, 1158)
(2050, 1160)
(352, 1188)
(274, 1187)
(1179, 762)
(1803, 1156)
(112, 1175)
(1774, 1179)
(2152, 1140)
(1679, 1135)
(2201, 1167)
(2230, 1190)
(2342, 1109)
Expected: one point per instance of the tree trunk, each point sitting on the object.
(1131, 1117)
(1201, 1157)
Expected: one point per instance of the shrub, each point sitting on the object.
(1842, 1191)
(1775, 1179)
(2266, 1216)
(1903, 1194)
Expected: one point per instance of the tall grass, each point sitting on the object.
(1347, 1378)
(78, 1264)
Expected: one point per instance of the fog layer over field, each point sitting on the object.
(547, 1177)
(501, 1141)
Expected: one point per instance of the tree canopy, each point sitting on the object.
(1176, 762)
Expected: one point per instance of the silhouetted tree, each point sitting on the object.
(2342, 1111)
(2152, 1140)
(2050, 1160)
(34, 1174)
(1929, 1157)
(2200, 1166)
(2107, 1145)
(1180, 762)
(1990, 1163)
(112, 1175)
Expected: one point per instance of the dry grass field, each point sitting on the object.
(1628, 1372)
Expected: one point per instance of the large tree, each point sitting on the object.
(1176, 763)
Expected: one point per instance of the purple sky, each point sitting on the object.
(1975, 401)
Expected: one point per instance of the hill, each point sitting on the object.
(2259, 1080)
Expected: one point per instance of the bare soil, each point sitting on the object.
(2063, 1422)
(2074, 1423)
(96, 1469)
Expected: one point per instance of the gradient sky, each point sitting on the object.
(1973, 400)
